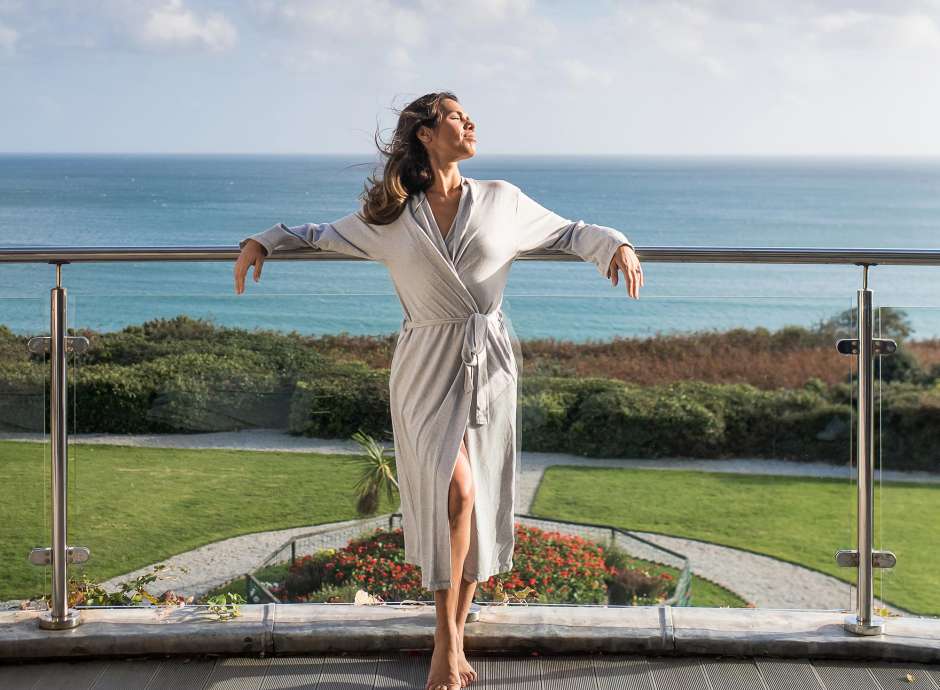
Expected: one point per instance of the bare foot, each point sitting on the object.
(444, 673)
(467, 673)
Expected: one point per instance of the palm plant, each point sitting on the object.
(378, 474)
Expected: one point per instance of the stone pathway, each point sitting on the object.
(763, 581)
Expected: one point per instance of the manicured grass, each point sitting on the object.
(710, 595)
(135, 506)
(804, 520)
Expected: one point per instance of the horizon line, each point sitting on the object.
(916, 156)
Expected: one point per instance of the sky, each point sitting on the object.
(631, 77)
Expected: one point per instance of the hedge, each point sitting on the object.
(181, 376)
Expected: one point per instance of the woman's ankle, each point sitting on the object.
(448, 634)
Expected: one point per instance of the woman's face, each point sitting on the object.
(455, 137)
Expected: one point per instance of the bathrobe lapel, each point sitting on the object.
(435, 250)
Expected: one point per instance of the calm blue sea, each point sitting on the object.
(143, 200)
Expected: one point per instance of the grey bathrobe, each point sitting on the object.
(453, 370)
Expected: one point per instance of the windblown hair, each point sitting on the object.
(407, 166)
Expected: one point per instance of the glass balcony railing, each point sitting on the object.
(906, 479)
(24, 451)
(212, 449)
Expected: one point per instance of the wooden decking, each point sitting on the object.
(403, 671)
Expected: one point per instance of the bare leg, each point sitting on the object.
(467, 673)
(444, 673)
(467, 589)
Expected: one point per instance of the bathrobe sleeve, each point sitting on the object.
(349, 235)
(538, 228)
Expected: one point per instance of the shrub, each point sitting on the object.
(185, 375)
(689, 418)
(636, 422)
(638, 587)
(284, 353)
(900, 366)
(909, 423)
(116, 400)
(331, 594)
(207, 392)
(341, 400)
(23, 403)
(545, 418)
(306, 574)
(635, 582)
(181, 392)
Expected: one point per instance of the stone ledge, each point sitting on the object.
(129, 632)
(813, 634)
(272, 629)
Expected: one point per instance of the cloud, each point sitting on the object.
(354, 19)
(45, 26)
(582, 75)
(918, 30)
(172, 25)
(411, 39)
(8, 39)
(482, 10)
(686, 32)
(868, 31)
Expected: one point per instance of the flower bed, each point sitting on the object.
(548, 567)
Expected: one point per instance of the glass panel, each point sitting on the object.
(907, 465)
(209, 447)
(720, 426)
(717, 427)
(24, 450)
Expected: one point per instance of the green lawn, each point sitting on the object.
(135, 506)
(799, 519)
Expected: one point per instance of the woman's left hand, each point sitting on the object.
(626, 260)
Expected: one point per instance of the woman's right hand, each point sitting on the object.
(253, 253)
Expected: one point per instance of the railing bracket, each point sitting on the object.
(879, 559)
(73, 555)
(73, 343)
(879, 346)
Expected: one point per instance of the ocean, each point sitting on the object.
(202, 200)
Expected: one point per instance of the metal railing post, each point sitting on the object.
(865, 621)
(59, 616)
(865, 559)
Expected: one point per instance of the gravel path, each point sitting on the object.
(763, 581)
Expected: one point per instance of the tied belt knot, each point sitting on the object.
(473, 353)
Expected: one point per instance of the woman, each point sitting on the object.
(448, 242)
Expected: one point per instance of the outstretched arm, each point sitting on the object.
(349, 235)
(537, 227)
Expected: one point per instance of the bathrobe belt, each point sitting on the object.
(473, 354)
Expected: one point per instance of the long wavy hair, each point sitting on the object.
(407, 168)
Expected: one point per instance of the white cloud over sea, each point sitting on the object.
(612, 76)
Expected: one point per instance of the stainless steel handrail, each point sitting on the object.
(753, 255)
(863, 622)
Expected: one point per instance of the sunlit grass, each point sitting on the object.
(804, 520)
